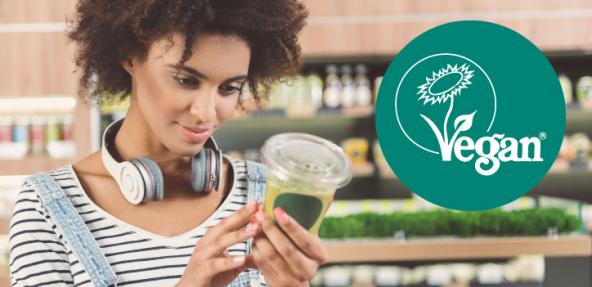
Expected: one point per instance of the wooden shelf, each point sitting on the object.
(352, 251)
(30, 165)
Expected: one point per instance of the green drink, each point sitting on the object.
(304, 172)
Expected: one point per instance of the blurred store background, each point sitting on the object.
(377, 232)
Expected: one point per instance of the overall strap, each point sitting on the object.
(256, 176)
(74, 229)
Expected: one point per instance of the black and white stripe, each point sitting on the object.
(40, 256)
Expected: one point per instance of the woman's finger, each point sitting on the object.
(302, 266)
(233, 222)
(269, 260)
(309, 244)
(229, 239)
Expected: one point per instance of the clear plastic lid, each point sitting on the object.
(307, 157)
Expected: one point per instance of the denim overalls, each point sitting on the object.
(87, 250)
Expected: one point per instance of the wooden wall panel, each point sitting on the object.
(25, 11)
(35, 64)
(345, 27)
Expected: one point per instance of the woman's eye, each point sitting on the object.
(186, 82)
(229, 89)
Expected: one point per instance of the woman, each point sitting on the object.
(184, 64)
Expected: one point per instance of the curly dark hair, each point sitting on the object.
(111, 31)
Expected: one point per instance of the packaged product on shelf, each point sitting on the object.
(564, 157)
(363, 276)
(20, 133)
(332, 93)
(383, 168)
(580, 144)
(348, 92)
(315, 84)
(525, 268)
(57, 147)
(490, 273)
(387, 276)
(52, 129)
(463, 273)
(566, 86)
(300, 97)
(337, 276)
(439, 274)
(357, 150)
(584, 92)
(363, 89)
(67, 133)
(278, 98)
(6, 123)
(38, 135)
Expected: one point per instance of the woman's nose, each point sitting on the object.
(204, 105)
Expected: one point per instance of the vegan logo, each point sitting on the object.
(470, 115)
(442, 86)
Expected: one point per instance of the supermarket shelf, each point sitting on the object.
(578, 120)
(308, 113)
(575, 185)
(30, 165)
(456, 249)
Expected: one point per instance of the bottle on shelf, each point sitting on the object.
(377, 82)
(566, 87)
(6, 129)
(331, 95)
(348, 91)
(67, 132)
(584, 92)
(37, 136)
(315, 85)
(363, 90)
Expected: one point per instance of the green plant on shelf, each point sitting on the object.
(529, 222)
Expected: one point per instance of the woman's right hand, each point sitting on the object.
(210, 264)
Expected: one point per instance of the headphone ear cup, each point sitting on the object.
(153, 178)
(199, 170)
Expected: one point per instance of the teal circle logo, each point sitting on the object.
(470, 115)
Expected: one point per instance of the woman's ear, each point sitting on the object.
(128, 65)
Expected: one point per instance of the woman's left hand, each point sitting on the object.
(288, 258)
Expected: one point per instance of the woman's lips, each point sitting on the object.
(195, 135)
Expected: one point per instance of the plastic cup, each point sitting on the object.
(304, 171)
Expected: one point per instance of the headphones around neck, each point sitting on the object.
(141, 179)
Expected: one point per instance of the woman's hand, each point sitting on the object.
(210, 263)
(289, 256)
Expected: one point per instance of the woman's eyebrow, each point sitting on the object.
(200, 75)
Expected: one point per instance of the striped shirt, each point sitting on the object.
(40, 256)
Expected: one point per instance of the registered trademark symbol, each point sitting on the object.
(543, 136)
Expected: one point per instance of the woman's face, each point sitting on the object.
(183, 106)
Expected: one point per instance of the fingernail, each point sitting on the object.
(238, 259)
(251, 229)
(259, 216)
(281, 215)
(251, 205)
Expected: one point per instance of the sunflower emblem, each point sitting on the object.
(444, 85)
